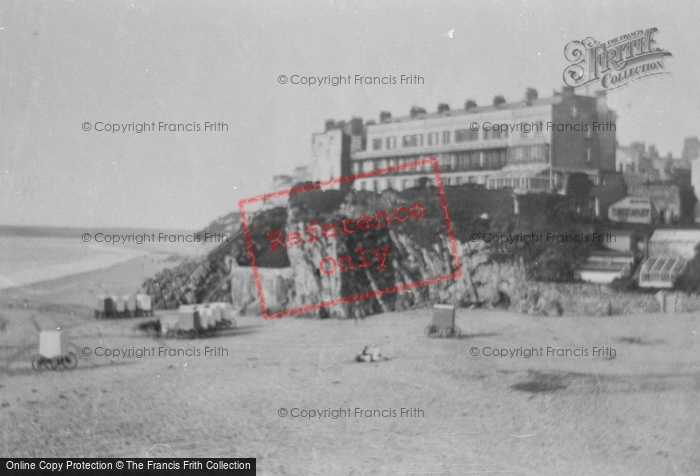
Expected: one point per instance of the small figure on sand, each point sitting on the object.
(368, 355)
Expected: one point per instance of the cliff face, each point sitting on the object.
(382, 257)
(349, 266)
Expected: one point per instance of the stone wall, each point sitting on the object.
(277, 284)
(483, 283)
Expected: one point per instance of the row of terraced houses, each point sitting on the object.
(536, 145)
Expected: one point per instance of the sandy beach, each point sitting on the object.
(635, 412)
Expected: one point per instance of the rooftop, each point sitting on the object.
(663, 264)
(556, 99)
(607, 261)
(690, 236)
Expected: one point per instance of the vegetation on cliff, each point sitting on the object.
(689, 280)
(419, 247)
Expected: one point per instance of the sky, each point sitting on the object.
(66, 63)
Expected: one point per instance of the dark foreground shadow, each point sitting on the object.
(481, 334)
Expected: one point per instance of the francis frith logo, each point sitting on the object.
(614, 63)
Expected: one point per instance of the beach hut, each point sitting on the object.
(53, 352)
(144, 306)
(120, 305)
(224, 312)
(168, 325)
(51, 344)
(208, 316)
(129, 305)
(106, 306)
(190, 323)
(443, 323)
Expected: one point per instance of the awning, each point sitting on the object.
(521, 172)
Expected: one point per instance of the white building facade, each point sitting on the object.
(515, 145)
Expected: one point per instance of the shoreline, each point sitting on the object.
(42, 259)
(80, 290)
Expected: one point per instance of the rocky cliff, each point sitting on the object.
(393, 254)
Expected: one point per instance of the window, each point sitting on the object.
(376, 144)
(495, 159)
(446, 137)
(445, 161)
(356, 167)
(527, 154)
(433, 138)
(415, 140)
(531, 129)
(496, 134)
(466, 135)
(375, 185)
(363, 185)
(391, 143)
(468, 160)
(389, 183)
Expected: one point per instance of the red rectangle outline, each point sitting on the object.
(356, 297)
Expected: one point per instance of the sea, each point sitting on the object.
(34, 254)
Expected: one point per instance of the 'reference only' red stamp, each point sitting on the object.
(375, 259)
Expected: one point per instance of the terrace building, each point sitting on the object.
(527, 146)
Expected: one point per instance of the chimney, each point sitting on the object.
(567, 91)
(530, 95)
(498, 100)
(443, 107)
(330, 124)
(384, 116)
(415, 111)
(601, 104)
(355, 126)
